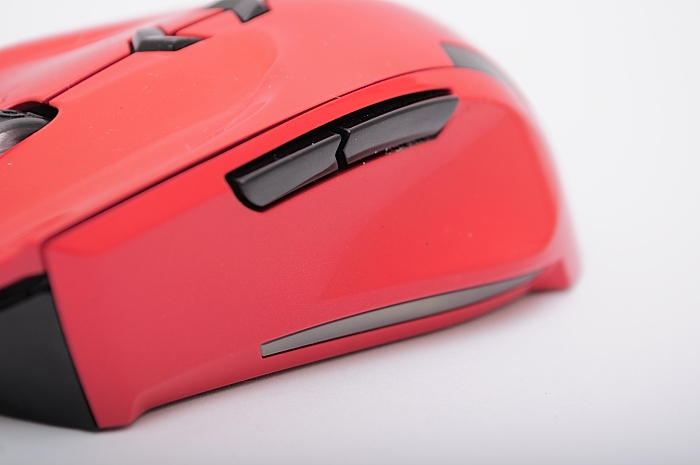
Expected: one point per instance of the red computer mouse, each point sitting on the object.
(201, 198)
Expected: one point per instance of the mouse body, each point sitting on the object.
(208, 196)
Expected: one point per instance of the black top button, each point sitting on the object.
(411, 123)
(244, 9)
(261, 186)
(151, 39)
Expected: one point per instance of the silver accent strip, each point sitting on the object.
(387, 316)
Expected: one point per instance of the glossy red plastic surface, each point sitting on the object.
(38, 71)
(172, 292)
(166, 285)
(151, 115)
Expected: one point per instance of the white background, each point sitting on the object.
(608, 372)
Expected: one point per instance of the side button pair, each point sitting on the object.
(372, 130)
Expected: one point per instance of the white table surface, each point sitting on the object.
(608, 372)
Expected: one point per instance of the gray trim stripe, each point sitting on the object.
(463, 58)
(387, 316)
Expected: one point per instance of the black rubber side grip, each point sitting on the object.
(463, 58)
(37, 378)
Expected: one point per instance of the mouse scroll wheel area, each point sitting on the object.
(15, 126)
(152, 39)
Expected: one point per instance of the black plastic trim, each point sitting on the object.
(244, 9)
(38, 381)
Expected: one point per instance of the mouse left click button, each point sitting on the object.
(269, 183)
